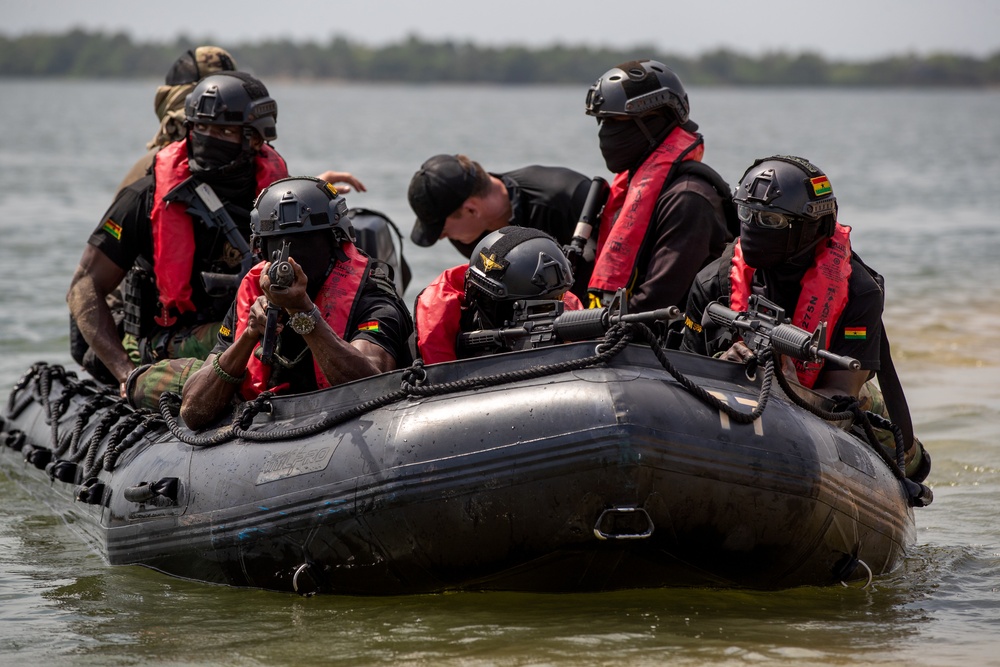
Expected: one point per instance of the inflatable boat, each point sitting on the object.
(583, 466)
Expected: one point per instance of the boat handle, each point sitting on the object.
(146, 491)
(603, 534)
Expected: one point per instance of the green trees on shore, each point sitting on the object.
(82, 54)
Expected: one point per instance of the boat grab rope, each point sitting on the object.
(852, 410)
(920, 494)
(708, 399)
(413, 384)
(92, 465)
(65, 445)
(131, 425)
(69, 445)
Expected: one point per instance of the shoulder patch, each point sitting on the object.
(855, 333)
(113, 228)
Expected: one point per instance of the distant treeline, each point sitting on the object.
(82, 54)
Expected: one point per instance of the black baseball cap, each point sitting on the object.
(436, 191)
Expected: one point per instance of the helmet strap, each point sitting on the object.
(645, 130)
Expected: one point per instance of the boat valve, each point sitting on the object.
(623, 523)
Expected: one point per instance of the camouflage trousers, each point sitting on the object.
(186, 350)
(871, 400)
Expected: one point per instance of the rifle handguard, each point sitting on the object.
(796, 342)
(581, 324)
(784, 338)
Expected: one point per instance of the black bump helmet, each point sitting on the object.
(786, 207)
(789, 185)
(638, 88)
(519, 263)
(233, 98)
(515, 263)
(296, 205)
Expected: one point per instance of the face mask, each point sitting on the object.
(311, 250)
(208, 153)
(769, 248)
(623, 144)
(764, 248)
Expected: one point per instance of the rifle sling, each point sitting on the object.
(892, 392)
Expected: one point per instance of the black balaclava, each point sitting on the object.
(312, 250)
(226, 166)
(792, 246)
(625, 144)
(210, 154)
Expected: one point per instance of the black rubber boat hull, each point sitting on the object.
(602, 478)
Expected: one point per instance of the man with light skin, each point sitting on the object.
(456, 199)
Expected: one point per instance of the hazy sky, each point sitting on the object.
(844, 29)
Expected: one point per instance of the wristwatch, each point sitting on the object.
(304, 323)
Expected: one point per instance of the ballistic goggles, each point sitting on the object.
(763, 219)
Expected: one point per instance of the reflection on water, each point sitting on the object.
(923, 207)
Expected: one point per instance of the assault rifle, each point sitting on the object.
(589, 216)
(201, 201)
(763, 325)
(538, 323)
(282, 275)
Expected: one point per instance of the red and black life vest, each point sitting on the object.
(336, 300)
(823, 296)
(438, 315)
(630, 206)
(173, 230)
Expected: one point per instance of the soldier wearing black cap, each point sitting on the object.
(455, 198)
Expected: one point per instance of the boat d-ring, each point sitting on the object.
(631, 527)
(868, 570)
(303, 581)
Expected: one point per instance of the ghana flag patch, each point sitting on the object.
(371, 325)
(855, 333)
(113, 228)
(821, 186)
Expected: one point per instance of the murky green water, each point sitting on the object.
(916, 174)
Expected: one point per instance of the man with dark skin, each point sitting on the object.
(798, 256)
(341, 318)
(668, 213)
(229, 120)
